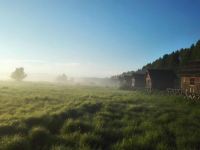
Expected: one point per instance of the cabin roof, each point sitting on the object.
(191, 69)
(161, 74)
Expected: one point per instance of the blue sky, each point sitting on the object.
(93, 37)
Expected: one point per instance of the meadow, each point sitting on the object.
(44, 116)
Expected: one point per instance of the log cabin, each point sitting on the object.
(125, 81)
(132, 81)
(138, 80)
(190, 77)
(160, 79)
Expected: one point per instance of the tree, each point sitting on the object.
(62, 78)
(176, 60)
(19, 74)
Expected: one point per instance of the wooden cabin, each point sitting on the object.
(190, 77)
(132, 81)
(160, 79)
(125, 81)
(138, 80)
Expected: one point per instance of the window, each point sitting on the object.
(192, 81)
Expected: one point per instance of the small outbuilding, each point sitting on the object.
(125, 81)
(138, 80)
(160, 79)
(190, 77)
(132, 81)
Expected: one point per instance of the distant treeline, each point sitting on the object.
(175, 60)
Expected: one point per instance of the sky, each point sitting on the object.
(93, 38)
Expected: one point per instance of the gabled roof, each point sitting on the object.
(191, 69)
(161, 74)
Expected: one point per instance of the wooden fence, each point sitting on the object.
(186, 94)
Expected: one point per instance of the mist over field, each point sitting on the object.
(99, 75)
(40, 71)
(49, 71)
(52, 78)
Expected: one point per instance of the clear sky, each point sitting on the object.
(93, 37)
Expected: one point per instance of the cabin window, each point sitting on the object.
(192, 81)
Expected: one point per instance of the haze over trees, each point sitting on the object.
(62, 78)
(18, 74)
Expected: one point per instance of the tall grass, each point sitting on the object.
(41, 116)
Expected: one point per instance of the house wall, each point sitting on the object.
(148, 82)
(187, 86)
(140, 82)
(160, 84)
(163, 84)
(133, 83)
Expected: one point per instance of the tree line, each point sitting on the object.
(175, 60)
(19, 75)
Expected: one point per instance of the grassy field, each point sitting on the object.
(41, 116)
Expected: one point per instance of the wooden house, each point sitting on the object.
(160, 79)
(138, 80)
(132, 81)
(190, 77)
(125, 81)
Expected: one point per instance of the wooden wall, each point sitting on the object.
(148, 82)
(188, 86)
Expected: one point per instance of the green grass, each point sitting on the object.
(43, 116)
